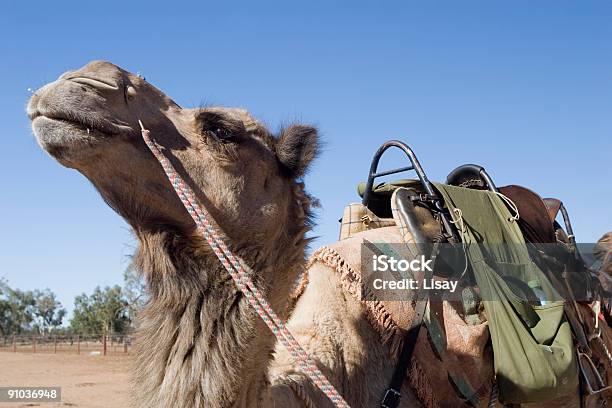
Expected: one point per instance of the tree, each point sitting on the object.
(104, 311)
(135, 290)
(24, 311)
(16, 309)
(48, 311)
(4, 307)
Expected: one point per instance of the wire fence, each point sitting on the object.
(103, 345)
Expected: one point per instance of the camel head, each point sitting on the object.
(246, 177)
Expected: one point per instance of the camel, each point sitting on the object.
(200, 345)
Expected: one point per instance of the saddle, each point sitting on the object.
(457, 341)
(537, 226)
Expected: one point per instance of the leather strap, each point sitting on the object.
(392, 396)
(553, 206)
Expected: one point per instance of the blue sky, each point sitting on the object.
(523, 88)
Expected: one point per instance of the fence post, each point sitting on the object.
(14, 344)
(125, 345)
(34, 344)
(55, 344)
(104, 344)
(78, 344)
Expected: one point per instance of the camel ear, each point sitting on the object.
(296, 147)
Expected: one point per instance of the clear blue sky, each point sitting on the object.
(522, 87)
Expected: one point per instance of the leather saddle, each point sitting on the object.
(535, 216)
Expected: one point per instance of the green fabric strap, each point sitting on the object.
(533, 349)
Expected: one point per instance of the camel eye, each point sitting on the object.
(219, 127)
(222, 135)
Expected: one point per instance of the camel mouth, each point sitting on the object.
(89, 126)
(66, 139)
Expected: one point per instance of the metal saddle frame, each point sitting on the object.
(431, 196)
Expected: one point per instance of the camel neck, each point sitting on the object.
(200, 344)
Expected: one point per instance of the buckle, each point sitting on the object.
(391, 399)
(589, 368)
(422, 197)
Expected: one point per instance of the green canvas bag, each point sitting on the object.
(534, 354)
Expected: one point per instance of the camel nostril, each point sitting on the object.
(94, 82)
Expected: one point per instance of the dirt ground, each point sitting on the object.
(90, 381)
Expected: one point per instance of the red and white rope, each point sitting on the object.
(240, 272)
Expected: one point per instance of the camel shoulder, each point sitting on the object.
(331, 326)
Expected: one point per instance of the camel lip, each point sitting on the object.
(79, 132)
(68, 142)
(74, 122)
(86, 127)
